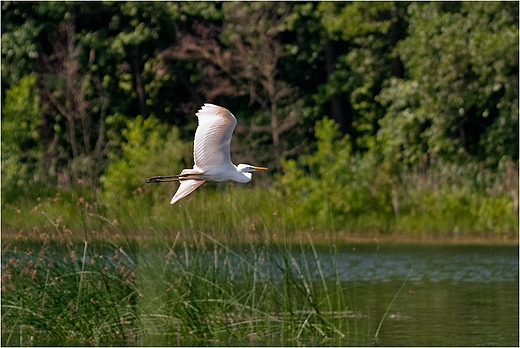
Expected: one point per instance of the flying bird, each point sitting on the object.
(210, 153)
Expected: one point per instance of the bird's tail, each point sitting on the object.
(187, 187)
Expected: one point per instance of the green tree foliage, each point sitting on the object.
(460, 92)
(369, 32)
(139, 31)
(241, 60)
(345, 191)
(19, 45)
(21, 154)
(335, 186)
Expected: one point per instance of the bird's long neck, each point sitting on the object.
(242, 175)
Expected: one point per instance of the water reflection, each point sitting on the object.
(443, 313)
(456, 264)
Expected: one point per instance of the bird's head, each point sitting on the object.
(247, 169)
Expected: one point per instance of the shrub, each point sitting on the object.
(149, 148)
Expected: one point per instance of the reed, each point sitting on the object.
(192, 277)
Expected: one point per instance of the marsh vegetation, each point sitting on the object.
(193, 289)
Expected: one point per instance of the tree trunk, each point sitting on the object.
(276, 137)
(139, 83)
(336, 103)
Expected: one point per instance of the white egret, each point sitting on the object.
(210, 153)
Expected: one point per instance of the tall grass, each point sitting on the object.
(190, 290)
(78, 272)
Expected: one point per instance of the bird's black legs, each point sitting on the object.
(168, 178)
(164, 178)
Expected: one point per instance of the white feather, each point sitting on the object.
(213, 136)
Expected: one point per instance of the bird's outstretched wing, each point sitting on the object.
(186, 187)
(213, 136)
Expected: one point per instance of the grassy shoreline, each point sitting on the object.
(10, 235)
(239, 214)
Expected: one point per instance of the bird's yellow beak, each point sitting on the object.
(260, 168)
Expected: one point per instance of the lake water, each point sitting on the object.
(452, 295)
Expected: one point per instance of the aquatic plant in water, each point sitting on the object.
(184, 292)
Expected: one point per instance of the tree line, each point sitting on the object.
(91, 92)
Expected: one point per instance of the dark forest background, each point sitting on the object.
(358, 108)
